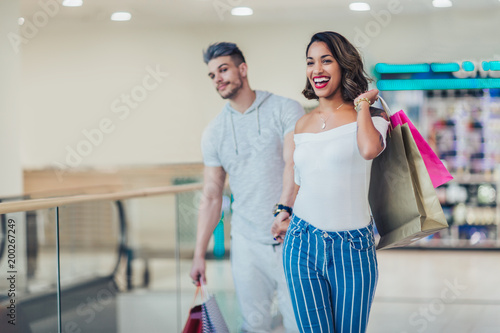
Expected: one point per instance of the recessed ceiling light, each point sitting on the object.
(359, 6)
(241, 11)
(72, 3)
(442, 3)
(20, 21)
(121, 16)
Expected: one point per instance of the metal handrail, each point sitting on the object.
(35, 204)
(67, 191)
(42, 194)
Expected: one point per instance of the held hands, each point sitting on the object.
(371, 95)
(280, 226)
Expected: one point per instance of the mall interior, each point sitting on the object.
(102, 108)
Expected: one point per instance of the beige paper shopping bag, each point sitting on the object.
(402, 198)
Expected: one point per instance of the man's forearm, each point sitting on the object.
(208, 218)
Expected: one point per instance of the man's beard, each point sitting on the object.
(232, 92)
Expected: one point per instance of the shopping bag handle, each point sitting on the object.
(388, 112)
(201, 290)
(204, 291)
(385, 106)
(195, 296)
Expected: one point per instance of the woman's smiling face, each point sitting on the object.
(323, 71)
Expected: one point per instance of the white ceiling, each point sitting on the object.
(217, 11)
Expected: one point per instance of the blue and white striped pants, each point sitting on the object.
(331, 276)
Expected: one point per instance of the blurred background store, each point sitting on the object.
(94, 102)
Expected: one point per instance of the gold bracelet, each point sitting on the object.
(357, 105)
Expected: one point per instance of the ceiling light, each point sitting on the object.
(72, 3)
(20, 21)
(359, 6)
(442, 3)
(241, 11)
(121, 16)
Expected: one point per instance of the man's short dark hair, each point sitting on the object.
(223, 49)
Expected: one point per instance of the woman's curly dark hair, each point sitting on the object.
(354, 80)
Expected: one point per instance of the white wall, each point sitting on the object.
(11, 181)
(73, 71)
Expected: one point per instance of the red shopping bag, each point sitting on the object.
(437, 171)
(206, 317)
(194, 324)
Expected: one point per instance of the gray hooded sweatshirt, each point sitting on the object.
(249, 147)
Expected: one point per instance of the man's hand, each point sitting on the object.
(280, 226)
(198, 271)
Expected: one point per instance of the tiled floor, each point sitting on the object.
(418, 291)
(429, 291)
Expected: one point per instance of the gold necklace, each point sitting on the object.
(325, 120)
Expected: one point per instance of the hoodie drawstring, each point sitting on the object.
(260, 99)
(258, 121)
(235, 143)
(234, 135)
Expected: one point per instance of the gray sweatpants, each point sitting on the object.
(260, 284)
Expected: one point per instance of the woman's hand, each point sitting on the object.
(372, 95)
(280, 226)
(370, 141)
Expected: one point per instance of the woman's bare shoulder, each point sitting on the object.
(303, 122)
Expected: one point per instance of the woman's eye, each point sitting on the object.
(326, 61)
(309, 63)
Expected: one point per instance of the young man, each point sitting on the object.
(251, 140)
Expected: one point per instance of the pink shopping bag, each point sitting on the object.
(437, 171)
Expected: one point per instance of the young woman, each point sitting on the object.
(329, 255)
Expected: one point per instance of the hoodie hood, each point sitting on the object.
(260, 98)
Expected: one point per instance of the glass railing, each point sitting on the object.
(95, 262)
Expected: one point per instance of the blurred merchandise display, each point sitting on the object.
(463, 128)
